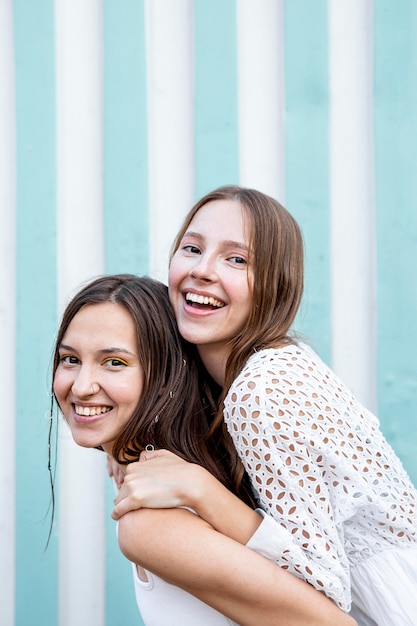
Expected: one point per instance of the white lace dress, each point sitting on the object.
(341, 510)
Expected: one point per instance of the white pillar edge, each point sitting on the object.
(7, 315)
(170, 103)
(80, 250)
(352, 196)
(261, 99)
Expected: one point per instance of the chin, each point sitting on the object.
(83, 444)
(87, 443)
(89, 439)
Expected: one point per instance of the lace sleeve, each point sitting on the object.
(272, 431)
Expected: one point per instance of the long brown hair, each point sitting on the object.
(276, 253)
(175, 410)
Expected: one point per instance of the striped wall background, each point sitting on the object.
(114, 118)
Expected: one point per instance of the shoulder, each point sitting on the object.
(291, 361)
(292, 375)
(271, 372)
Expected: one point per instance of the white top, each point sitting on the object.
(323, 471)
(163, 604)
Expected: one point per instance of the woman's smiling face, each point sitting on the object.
(99, 378)
(210, 278)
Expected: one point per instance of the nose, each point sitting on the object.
(204, 268)
(84, 384)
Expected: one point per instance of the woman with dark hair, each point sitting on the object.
(337, 508)
(127, 382)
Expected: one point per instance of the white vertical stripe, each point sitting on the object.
(80, 256)
(7, 316)
(352, 195)
(260, 34)
(170, 66)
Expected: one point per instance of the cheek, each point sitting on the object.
(243, 289)
(174, 274)
(128, 394)
(61, 385)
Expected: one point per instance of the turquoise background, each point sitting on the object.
(125, 184)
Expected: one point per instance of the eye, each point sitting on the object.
(238, 260)
(68, 359)
(114, 362)
(191, 249)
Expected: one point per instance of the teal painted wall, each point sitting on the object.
(36, 579)
(125, 138)
(127, 214)
(216, 132)
(396, 194)
(307, 157)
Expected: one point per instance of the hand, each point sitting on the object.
(116, 471)
(163, 480)
(159, 480)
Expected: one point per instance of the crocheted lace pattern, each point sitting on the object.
(320, 466)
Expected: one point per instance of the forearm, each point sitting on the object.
(166, 481)
(224, 511)
(186, 551)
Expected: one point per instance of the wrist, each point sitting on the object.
(196, 490)
(222, 509)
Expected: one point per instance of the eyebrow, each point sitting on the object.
(226, 242)
(63, 346)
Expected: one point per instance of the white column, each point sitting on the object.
(80, 246)
(260, 58)
(7, 316)
(170, 86)
(352, 195)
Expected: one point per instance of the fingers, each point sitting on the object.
(115, 471)
(151, 482)
(148, 453)
(121, 508)
(125, 501)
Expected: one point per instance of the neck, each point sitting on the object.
(214, 361)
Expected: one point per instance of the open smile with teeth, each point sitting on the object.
(193, 298)
(91, 411)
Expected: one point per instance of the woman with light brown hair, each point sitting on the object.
(335, 506)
